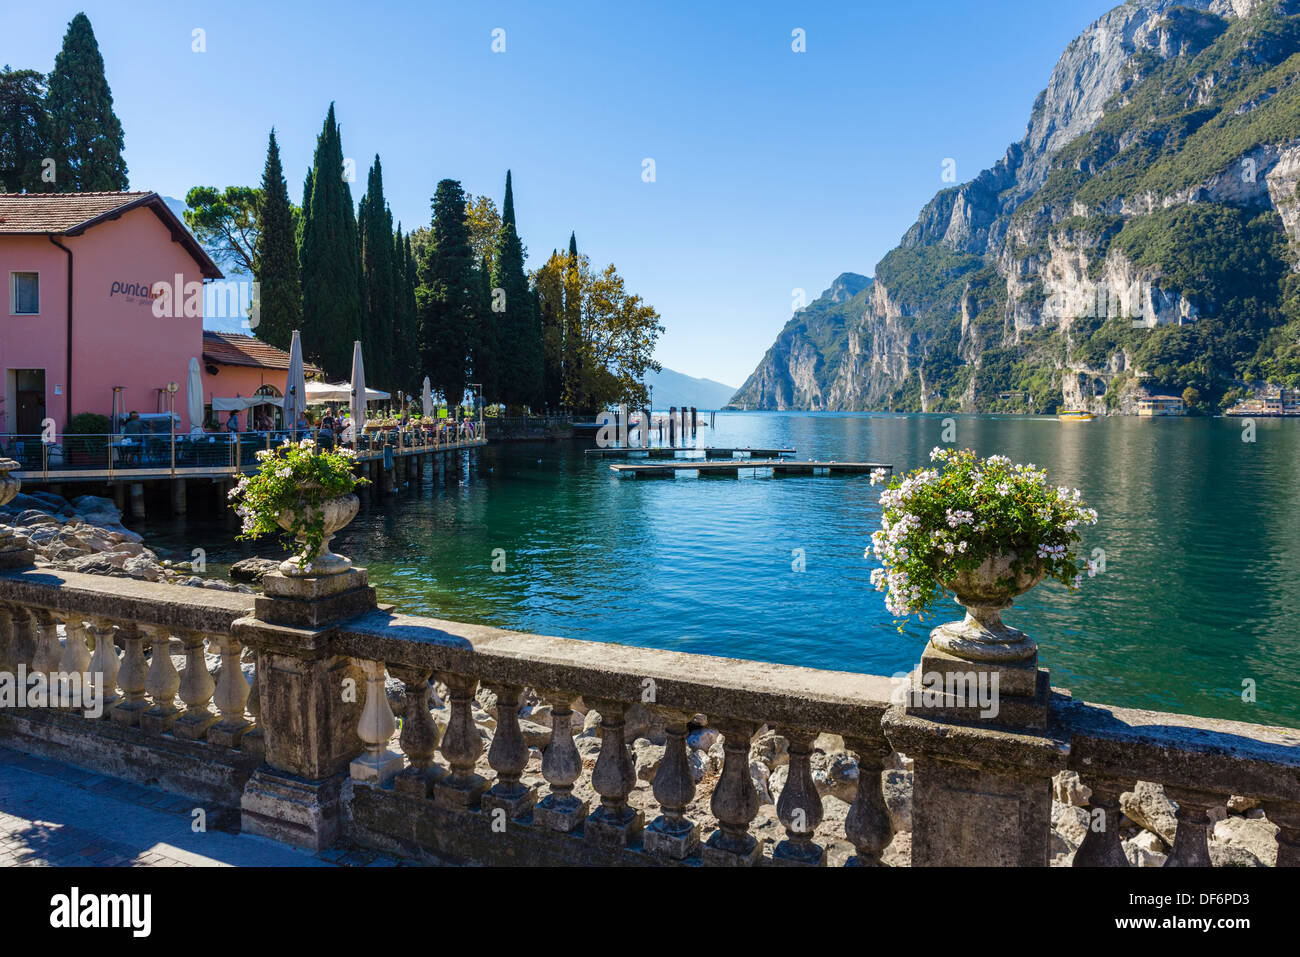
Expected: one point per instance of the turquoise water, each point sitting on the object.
(1199, 530)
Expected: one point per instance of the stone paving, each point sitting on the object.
(56, 815)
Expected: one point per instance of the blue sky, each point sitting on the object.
(774, 170)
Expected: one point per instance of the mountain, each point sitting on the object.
(1144, 234)
(669, 388)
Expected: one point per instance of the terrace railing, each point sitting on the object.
(306, 752)
(164, 455)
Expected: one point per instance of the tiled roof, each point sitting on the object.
(57, 212)
(70, 214)
(237, 349)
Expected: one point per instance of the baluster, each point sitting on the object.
(196, 691)
(1191, 840)
(419, 738)
(1287, 818)
(508, 757)
(48, 653)
(867, 824)
(561, 767)
(799, 807)
(162, 682)
(254, 741)
(378, 764)
(231, 695)
(104, 665)
(461, 746)
(131, 678)
(23, 645)
(673, 834)
(734, 802)
(1101, 845)
(614, 823)
(73, 662)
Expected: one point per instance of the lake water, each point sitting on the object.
(1200, 532)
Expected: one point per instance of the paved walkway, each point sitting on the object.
(54, 814)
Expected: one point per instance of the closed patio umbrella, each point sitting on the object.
(358, 406)
(426, 399)
(194, 397)
(295, 387)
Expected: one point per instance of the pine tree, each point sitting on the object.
(277, 256)
(519, 331)
(24, 131)
(330, 260)
(447, 294)
(376, 229)
(85, 134)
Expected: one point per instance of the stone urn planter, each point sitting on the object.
(335, 513)
(14, 552)
(985, 592)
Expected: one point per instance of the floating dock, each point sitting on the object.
(672, 452)
(733, 467)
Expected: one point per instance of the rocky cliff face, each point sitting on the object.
(1103, 251)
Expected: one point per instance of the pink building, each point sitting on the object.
(236, 365)
(79, 319)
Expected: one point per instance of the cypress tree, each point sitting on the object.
(330, 261)
(574, 340)
(447, 293)
(302, 210)
(24, 131)
(85, 133)
(519, 330)
(407, 334)
(277, 256)
(376, 228)
(548, 291)
(486, 356)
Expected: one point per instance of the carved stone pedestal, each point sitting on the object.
(291, 809)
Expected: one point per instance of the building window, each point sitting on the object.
(24, 293)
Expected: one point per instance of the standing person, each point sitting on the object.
(232, 423)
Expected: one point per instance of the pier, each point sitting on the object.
(670, 452)
(732, 468)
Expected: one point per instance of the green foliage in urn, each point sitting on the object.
(942, 522)
(289, 491)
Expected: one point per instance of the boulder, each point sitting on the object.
(770, 748)
(140, 566)
(1148, 807)
(648, 757)
(702, 739)
(1139, 856)
(94, 503)
(1070, 823)
(644, 721)
(100, 564)
(1256, 835)
(33, 516)
(1068, 789)
(535, 735)
(761, 776)
(251, 570)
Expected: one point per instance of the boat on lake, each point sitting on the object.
(1075, 415)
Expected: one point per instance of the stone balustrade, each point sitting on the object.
(336, 737)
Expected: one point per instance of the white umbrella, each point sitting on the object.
(426, 398)
(358, 388)
(295, 388)
(194, 397)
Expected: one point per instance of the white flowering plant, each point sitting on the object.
(294, 481)
(947, 519)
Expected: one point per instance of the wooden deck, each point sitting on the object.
(672, 452)
(733, 467)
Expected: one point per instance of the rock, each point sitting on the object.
(119, 533)
(1240, 805)
(1148, 807)
(42, 534)
(644, 721)
(1068, 789)
(1070, 823)
(535, 735)
(897, 788)
(700, 763)
(1150, 841)
(761, 776)
(842, 770)
(1139, 856)
(703, 739)
(140, 566)
(34, 517)
(101, 564)
(1257, 835)
(648, 757)
(898, 853)
(95, 504)
(251, 570)
(770, 748)
(1232, 855)
(591, 724)
(216, 584)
